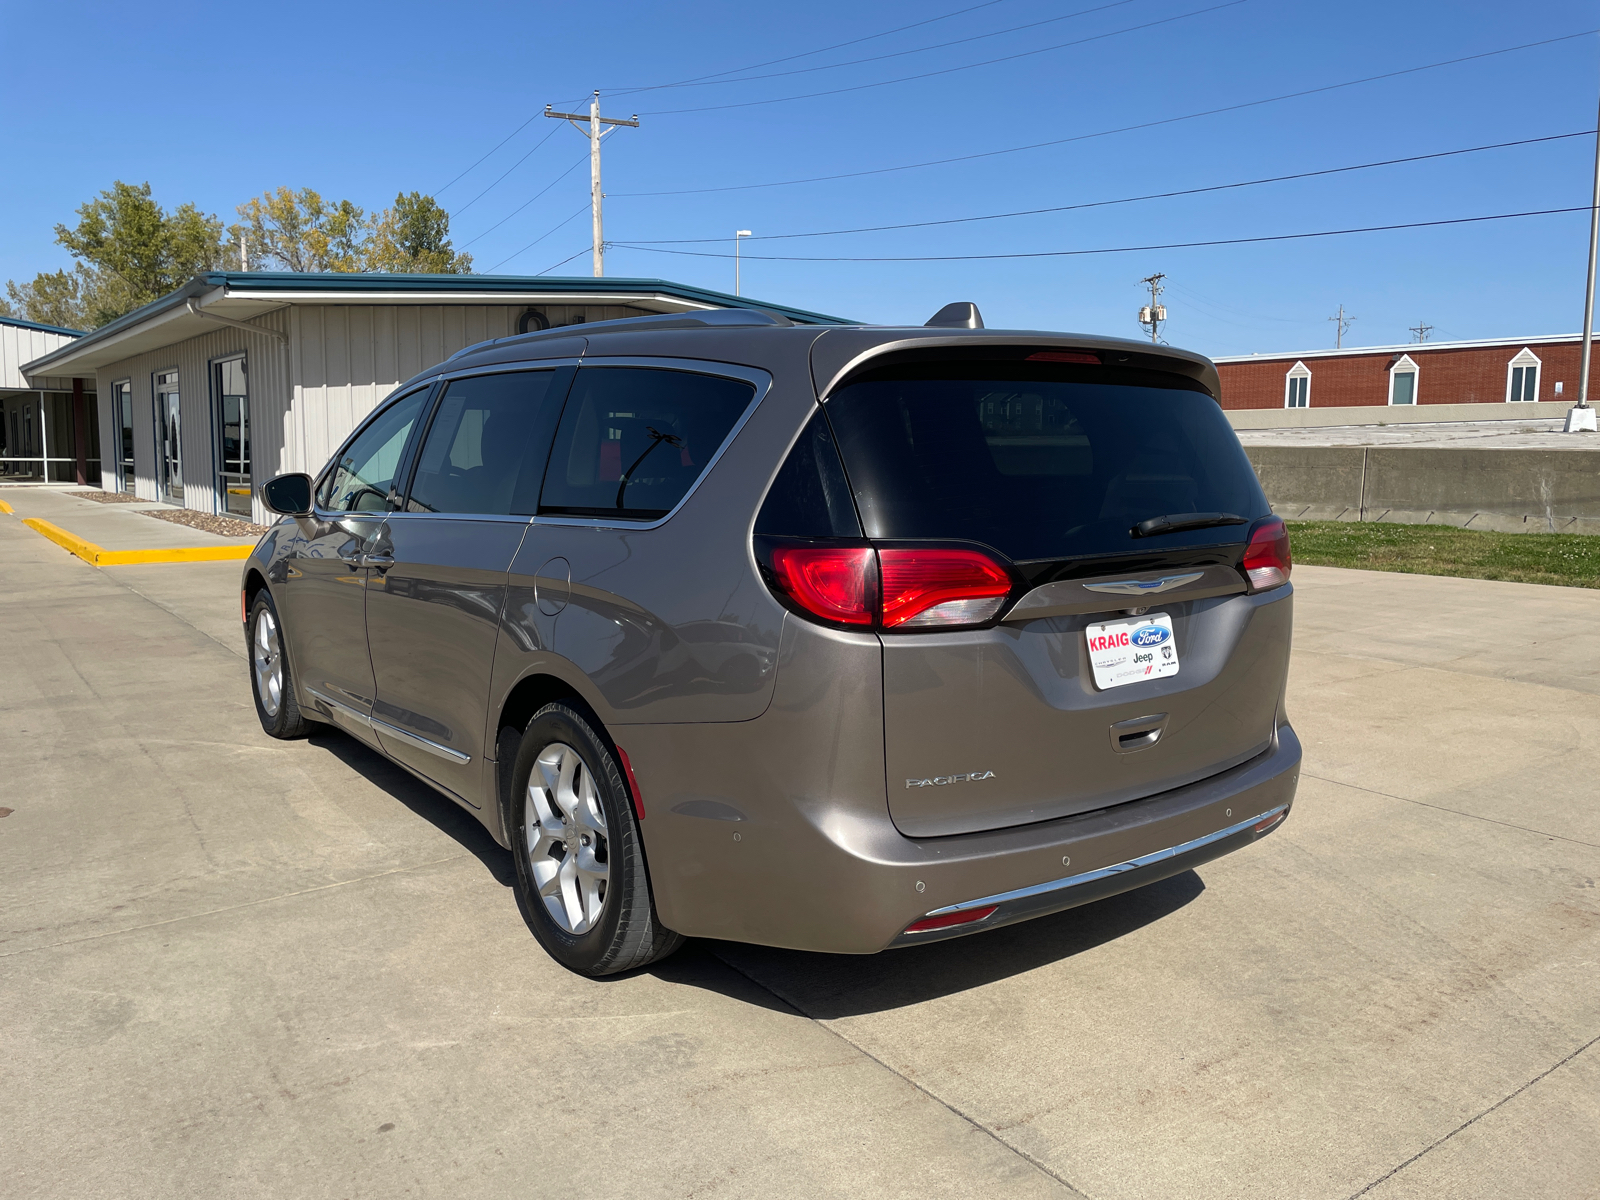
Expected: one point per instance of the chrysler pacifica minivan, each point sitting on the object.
(838, 639)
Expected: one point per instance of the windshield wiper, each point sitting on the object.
(1178, 522)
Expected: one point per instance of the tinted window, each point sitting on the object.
(1038, 462)
(810, 496)
(360, 480)
(633, 440)
(478, 456)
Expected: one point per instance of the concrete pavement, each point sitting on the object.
(238, 967)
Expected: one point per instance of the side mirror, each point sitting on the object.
(288, 495)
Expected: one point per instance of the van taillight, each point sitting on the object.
(1266, 559)
(836, 583)
(931, 588)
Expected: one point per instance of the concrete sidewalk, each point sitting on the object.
(233, 966)
(112, 526)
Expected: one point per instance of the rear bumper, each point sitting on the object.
(808, 874)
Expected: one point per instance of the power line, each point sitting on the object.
(1280, 237)
(497, 182)
(497, 146)
(583, 208)
(1082, 137)
(960, 12)
(528, 201)
(1060, 208)
(861, 87)
(856, 62)
(565, 260)
(736, 70)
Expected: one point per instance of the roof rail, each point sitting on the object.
(704, 318)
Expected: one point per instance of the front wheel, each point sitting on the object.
(582, 882)
(270, 681)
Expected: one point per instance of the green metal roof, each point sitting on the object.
(303, 287)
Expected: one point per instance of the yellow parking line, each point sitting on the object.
(97, 557)
(5, 508)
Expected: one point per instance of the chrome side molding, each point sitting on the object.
(338, 708)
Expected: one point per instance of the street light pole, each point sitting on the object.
(737, 234)
(1582, 419)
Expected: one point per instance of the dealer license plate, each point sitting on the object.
(1127, 651)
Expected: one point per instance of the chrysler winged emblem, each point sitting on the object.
(1144, 587)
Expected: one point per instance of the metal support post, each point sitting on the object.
(1581, 419)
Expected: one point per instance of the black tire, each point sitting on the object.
(626, 934)
(286, 720)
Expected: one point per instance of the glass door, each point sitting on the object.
(231, 387)
(122, 404)
(169, 439)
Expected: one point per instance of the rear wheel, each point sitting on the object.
(582, 882)
(270, 681)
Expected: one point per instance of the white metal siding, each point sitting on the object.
(192, 360)
(19, 345)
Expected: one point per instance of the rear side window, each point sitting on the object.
(1039, 461)
(633, 440)
(361, 479)
(481, 453)
(810, 496)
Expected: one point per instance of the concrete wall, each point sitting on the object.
(1404, 414)
(1520, 491)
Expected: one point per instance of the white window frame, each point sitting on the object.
(1298, 371)
(1524, 358)
(1403, 364)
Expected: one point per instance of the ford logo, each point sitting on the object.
(1150, 635)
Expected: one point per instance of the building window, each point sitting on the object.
(1297, 388)
(122, 413)
(1403, 381)
(230, 386)
(1522, 377)
(169, 438)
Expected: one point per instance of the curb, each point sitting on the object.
(97, 557)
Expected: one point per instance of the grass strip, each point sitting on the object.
(1564, 559)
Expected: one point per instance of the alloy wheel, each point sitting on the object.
(568, 850)
(266, 654)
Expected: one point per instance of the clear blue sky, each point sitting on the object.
(216, 103)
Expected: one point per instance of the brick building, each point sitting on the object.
(1481, 372)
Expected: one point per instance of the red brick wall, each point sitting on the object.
(1469, 376)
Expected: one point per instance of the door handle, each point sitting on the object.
(1137, 734)
(378, 562)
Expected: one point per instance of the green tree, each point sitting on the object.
(131, 251)
(413, 238)
(299, 231)
(53, 298)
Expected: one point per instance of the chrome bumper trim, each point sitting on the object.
(1133, 864)
(388, 730)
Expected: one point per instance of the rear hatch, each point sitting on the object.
(1119, 504)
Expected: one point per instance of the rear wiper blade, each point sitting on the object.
(1177, 522)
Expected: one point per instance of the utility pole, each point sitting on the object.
(1420, 331)
(594, 133)
(1582, 418)
(737, 234)
(1153, 314)
(244, 254)
(1341, 326)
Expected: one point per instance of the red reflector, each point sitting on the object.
(244, 612)
(946, 920)
(633, 784)
(941, 587)
(1072, 356)
(1267, 823)
(835, 583)
(1266, 559)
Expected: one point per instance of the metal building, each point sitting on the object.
(47, 434)
(240, 376)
